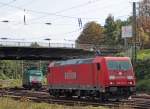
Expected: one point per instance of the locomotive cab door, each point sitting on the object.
(97, 74)
(98, 68)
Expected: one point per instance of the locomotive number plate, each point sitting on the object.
(70, 75)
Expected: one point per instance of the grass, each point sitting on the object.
(8, 103)
(143, 85)
(11, 83)
(15, 82)
(143, 54)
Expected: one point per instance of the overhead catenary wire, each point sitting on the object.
(28, 3)
(74, 7)
(54, 14)
(80, 29)
(38, 18)
(60, 24)
(57, 24)
(70, 8)
(78, 6)
(41, 12)
(103, 7)
(15, 1)
(6, 4)
(47, 13)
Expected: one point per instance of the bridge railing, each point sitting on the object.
(61, 45)
(100, 47)
(39, 44)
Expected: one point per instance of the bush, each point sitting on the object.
(143, 85)
(142, 70)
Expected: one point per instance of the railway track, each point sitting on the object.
(137, 102)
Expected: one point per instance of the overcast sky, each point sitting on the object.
(62, 14)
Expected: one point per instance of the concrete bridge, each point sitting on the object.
(11, 50)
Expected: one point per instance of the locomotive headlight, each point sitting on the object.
(111, 77)
(111, 83)
(130, 83)
(130, 77)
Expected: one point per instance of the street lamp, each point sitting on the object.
(12, 40)
(3, 42)
(4, 38)
(72, 42)
(69, 40)
(48, 23)
(48, 39)
(5, 21)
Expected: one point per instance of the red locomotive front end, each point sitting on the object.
(102, 77)
(119, 76)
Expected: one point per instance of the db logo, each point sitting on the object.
(120, 73)
(70, 75)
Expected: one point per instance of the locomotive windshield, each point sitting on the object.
(119, 65)
(36, 74)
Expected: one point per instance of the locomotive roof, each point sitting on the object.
(84, 61)
(72, 61)
(117, 58)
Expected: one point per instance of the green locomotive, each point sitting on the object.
(32, 78)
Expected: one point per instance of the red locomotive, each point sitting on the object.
(103, 77)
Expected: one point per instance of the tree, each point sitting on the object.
(111, 33)
(113, 30)
(143, 21)
(92, 34)
(35, 45)
(144, 38)
(10, 69)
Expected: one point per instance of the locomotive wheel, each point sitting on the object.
(79, 97)
(103, 98)
(29, 88)
(56, 93)
(37, 89)
(68, 95)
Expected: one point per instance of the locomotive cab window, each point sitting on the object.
(98, 66)
(119, 65)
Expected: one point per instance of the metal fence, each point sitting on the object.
(101, 47)
(56, 45)
(39, 44)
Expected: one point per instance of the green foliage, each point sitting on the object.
(143, 69)
(44, 68)
(143, 75)
(10, 69)
(8, 103)
(144, 38)
(91, 34)
(11, 83)
(143, 85)
(113, 30)
(143, 54)
(143, 23)
(3, 76)
(110, 34)
(110, 31)
(14, 69)
(35, 45)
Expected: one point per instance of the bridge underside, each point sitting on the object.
(28, 53)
